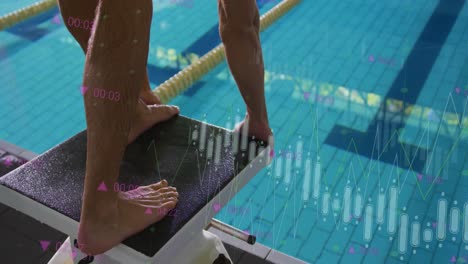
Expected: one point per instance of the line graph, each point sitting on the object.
(409, 232)
(354, 203)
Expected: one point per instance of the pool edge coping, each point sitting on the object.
(17, 151)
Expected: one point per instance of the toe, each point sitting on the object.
(165, 189)
(159, 185)
(169, 205)
(171, 195)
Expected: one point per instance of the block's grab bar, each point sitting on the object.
(230, 230)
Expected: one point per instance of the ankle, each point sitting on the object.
(257, 119)
(258, 122)
(99, 208)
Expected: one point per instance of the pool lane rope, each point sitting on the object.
(194, 72)
(184, 78)
(22, 14)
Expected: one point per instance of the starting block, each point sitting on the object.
(207, 164)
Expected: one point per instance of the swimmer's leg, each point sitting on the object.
(239, 27)
(85, 11)
(116, 61)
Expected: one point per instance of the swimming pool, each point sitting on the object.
(376, 90)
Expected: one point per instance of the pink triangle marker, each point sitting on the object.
(457, 90)
(351, 250)
(453, 259)
(216, 207)
(272, 153)
(306, 95)
(83, 89)
(419, 175)
(56, 19)
(102, 187)
(44, 244)
(148, 211)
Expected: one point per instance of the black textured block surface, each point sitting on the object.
(166, 151)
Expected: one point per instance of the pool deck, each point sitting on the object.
(23, 233)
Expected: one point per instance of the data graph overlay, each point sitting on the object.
(374, 201)
(334, 200)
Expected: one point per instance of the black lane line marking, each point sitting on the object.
(413, 75)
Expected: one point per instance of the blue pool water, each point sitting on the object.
(375, 90)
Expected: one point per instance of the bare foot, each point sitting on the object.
(148, 115)
(130, 213)
(258, 129)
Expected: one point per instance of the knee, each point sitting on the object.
(238, 19)
(229, 31)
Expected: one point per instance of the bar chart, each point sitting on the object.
(382, 211)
